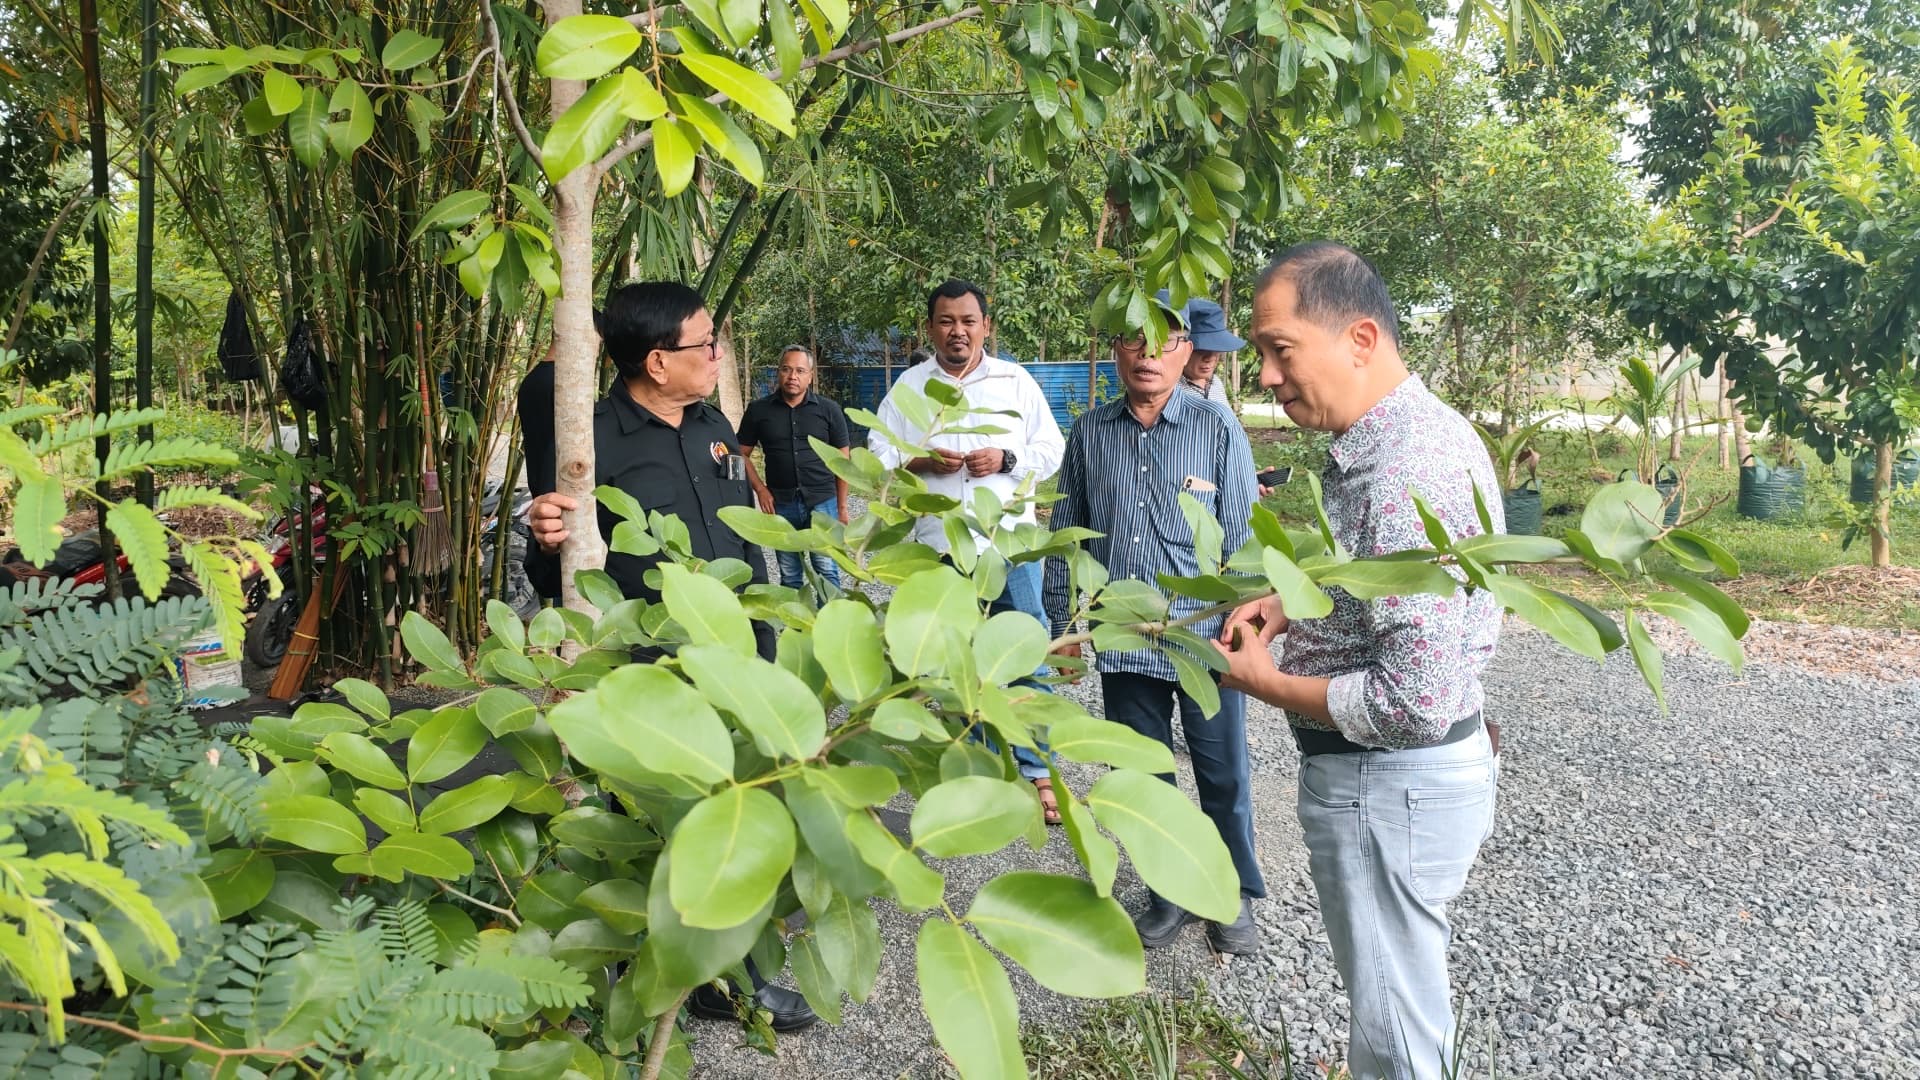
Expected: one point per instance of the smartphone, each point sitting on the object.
(1273, 478)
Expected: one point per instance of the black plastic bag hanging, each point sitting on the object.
(238, 358)
(303, 371)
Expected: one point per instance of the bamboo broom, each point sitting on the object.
(433, 540)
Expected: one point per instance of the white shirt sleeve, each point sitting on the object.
(1045, 447)
(891, 419)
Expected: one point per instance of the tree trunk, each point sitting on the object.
(1720, 410)
(1882, 539)
(1679, 419)
(575, 351)
(102, 271)
(143, 243)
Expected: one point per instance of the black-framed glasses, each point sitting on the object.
(712, 346)
(1137, 345)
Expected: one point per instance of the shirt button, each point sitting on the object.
(1143, 468)
(1136, 539)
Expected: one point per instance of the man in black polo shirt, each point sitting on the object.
(656, 438)
(798, 484)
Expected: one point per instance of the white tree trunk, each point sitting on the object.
(575, 351)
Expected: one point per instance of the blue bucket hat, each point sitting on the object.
(1180, 315)
(1208, 327)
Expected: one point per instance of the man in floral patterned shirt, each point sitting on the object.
(1397, 782)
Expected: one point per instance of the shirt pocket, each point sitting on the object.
(1170, 521)
(653, 485)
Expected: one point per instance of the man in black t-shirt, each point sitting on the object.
(535, 404)
(797, 484)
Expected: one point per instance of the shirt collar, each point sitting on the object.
(633, 415)
(1377, 424)
(1172, 412)
(779, 399)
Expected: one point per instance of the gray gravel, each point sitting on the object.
(1725, 891)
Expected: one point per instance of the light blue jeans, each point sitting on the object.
(798, 514)
(1021, 594)
(1390, 838)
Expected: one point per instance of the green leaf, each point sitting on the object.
(620, 903)
(444, 745)
(429, 856)
(1701, 622)
(366, 698)
(1621, 520)
(511, 843)
(741, 18)
(409, 49)
(686, 955)
(816, 983)
(926, 610)
(915, 885)
(749, 89)
(853, 786)
(1490, 548)
(586, 129)
(281, 91)
(1647, 656)
(1548, 612)
(238, 878)
(641, 721)
(707, 609)
(1701, 551)
(352, 133)
(847, 643)
(358, 757)
(199, 78)
(639, 99)
(313, 822)
(907, 720)
(1371, 579)
(675, 146)
(1207, 534)
(1069, 937)
(548, 898)
(823, 826)
(720, 131)
(144, 540)
(39, 505)
(1008, 647)
(466, 806)
(1176, 848)
(589, 944)
(1091, 739)
(969, 999)
(603, 834)
(452, 212)
(849, 938)
(729, 854)
(428, 645)
(1196, 681)
(787, 50)
(771, 703)
(384, 809)
(972, 815)
(1299, 597)
(1708, 594)
(503, 711)
(1095, 851)
(586, 46)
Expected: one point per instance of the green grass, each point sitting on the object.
(1778, 559)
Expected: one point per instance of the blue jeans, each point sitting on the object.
(794, 508)
(1022, 594)
(1390, 838)
(1218, 747)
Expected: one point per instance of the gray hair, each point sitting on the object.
(813, 363)
(1334, 286)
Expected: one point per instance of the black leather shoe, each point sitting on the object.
(1159, 926)
(1241, 937)
(790, 1011)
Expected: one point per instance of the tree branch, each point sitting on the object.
(643, 138)
(506, 89)
(33, 268)
(644, 19)
(662, 1040)
(290, 1054)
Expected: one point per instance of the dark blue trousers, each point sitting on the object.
(1218, 747)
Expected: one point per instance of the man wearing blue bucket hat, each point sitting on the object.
(1212, 342)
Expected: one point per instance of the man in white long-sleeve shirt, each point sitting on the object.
(1030, 446)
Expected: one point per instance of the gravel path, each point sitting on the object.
(1726, 891)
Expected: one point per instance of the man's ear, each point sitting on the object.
(1363, 338)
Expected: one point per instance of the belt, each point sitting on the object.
(1313, 741)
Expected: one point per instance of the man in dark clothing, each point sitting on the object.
(797, 484)
(535, 404)
(656, 438)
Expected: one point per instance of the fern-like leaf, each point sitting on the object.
(102, 648)
(548, 983)
(91, 736)
(144, 539)
(251, 998)
(219, 578)
(57, 793)
(470, 995)
(90, 428)
(38, 505)
(413, 1049)
(227, 792)
(406, 933)
(370, 1012)
(183, 495)
(119, 892)
(126, 458)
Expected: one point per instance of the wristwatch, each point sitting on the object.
(1007, 461)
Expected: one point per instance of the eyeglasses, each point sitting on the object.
(1137, 345)
(712, 346)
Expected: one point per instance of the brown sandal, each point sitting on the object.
(1049, 802)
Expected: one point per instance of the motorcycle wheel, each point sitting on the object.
(272, 631)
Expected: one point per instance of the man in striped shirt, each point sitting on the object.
(1127, 462)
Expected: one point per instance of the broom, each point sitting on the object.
(433, 540)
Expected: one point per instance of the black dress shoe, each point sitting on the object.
(790, 1011)
(1159, 926)
(1241, 937)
